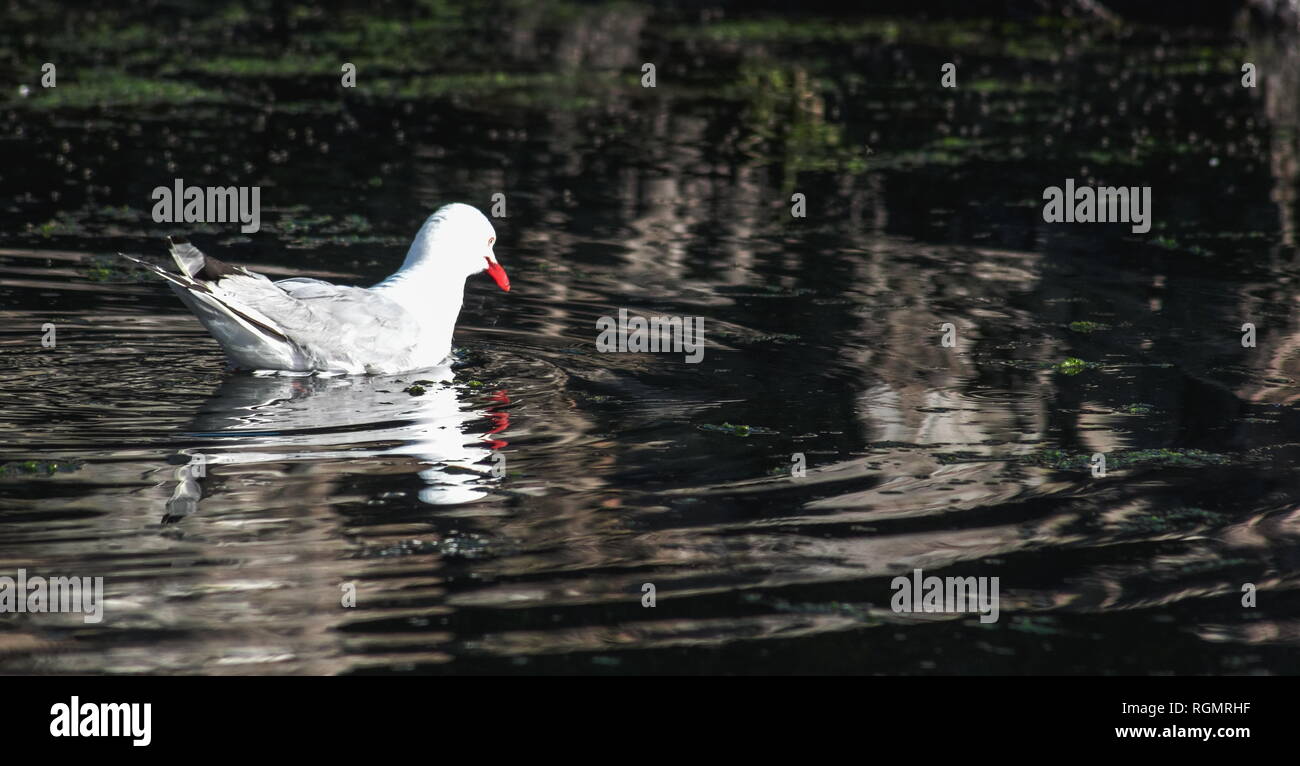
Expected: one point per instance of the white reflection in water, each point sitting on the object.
(275, 419)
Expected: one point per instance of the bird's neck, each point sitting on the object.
(433, 299)
(427, 288)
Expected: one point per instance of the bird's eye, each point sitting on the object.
(491, 240)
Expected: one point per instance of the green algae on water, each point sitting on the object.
(1161, 457)
(737, 430)
(1171, 520)
(1071, 366)
(107, 89)
(39, 467)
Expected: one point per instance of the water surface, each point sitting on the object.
(507, 518)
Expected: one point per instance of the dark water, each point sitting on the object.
(823, 338)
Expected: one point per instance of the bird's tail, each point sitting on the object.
(235, 326)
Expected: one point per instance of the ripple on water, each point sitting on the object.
(511, 511)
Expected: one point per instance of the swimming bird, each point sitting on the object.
(305, 325)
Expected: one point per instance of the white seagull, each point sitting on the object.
(305, 325)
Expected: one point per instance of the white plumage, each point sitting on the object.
(307, 325)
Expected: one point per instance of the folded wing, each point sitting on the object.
(293, 324)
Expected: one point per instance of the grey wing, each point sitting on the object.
(303, 288)
(353, 317)
(291, 322)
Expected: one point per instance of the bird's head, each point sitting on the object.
(463, 234)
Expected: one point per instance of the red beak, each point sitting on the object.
(498, 275)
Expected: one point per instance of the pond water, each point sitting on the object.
(507, 518)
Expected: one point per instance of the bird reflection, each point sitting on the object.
(320, 420)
